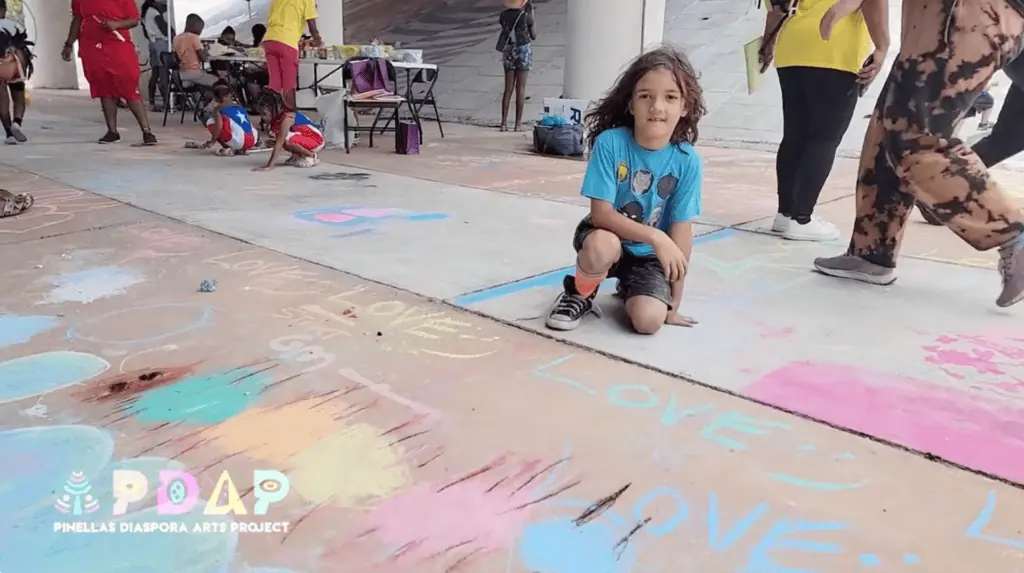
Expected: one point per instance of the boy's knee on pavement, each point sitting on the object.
(601, 249)
(646, 314)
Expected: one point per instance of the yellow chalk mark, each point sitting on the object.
(276, 434)
(463, 356)
(350, 468)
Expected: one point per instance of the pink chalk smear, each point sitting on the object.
(947, 422)
(462, 519)
(333, 217)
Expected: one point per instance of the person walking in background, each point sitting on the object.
(285, 23)
(518, 31)
(154, 27)
(949, 51)
(821, 82)
(103, 30)
(1007, 136)
(14, 48)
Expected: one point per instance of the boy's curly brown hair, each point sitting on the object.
(613, 110)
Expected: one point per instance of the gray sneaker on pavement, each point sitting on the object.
(18, 133)
(1011, 268)
(856, 268)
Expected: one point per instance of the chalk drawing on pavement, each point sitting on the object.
(346, 217)
(40, 460)
(30, 376)
(92, 284)
(183, 318)
(202, 399)
(17, 329)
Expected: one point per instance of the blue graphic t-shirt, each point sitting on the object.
(656, 188)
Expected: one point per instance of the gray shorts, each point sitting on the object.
(199, 78)
(637, 276)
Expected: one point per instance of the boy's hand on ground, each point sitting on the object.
(676, 319)
(670, 257)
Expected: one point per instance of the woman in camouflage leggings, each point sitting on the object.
(949, 50)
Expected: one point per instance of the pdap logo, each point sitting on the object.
(176, 494)
(76, 499)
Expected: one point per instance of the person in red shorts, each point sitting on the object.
(103, 31)
(292, 132)
(285, 23)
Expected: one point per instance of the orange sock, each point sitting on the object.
(588, 283)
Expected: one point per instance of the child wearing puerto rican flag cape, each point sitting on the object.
(229, 124)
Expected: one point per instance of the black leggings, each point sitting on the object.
(817, 107)
(1007, 136)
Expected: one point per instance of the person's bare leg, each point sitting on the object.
(298, 150)
(139, 111)
(109, 106)
(18, 99)
(506, 97)
(5, 114)
(521, 76)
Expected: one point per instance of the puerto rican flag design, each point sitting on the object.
(304, 133)
(236, 131)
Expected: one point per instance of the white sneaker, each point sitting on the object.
(780, 224)
(18, 134)
(307, 162)
(815, 230)
(11, 141)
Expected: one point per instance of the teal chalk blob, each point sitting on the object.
(30, 376)
(559, 546)
(15, 329)
(202, 400)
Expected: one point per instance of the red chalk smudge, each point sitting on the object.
(950, 423)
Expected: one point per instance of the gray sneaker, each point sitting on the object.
(1011, 268)
(18, 134)
(856, 268)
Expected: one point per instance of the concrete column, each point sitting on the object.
(331, 23)
(602, 37)
(47, 24)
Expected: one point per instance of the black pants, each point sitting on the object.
(817, 106)
(1007, 136)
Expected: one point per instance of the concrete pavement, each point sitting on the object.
(350, 344)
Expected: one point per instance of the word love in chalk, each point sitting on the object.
(178, 492)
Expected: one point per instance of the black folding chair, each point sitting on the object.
(392, 103)
(191, 94)
(423, 77)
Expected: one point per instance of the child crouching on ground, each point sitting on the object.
(228, 123)
(292, 132)
(644, 185)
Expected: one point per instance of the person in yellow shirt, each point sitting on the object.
(285, 24)
(821, 81)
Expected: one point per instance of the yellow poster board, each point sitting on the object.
(750, 53)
